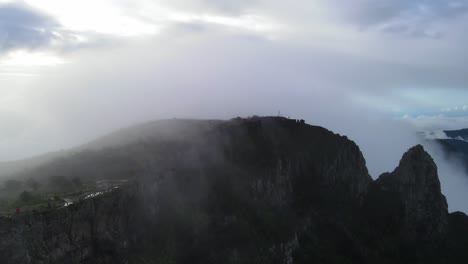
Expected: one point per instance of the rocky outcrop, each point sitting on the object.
(93, 230)
(409, 200)
(260, 190)
(309, 161)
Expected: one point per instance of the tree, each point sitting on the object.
(33, 184)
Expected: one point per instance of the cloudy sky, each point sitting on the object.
(74, 70)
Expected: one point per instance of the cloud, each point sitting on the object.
(437, 122)
(346, 65)
(289, 57)
(420, 18)
(453, 177)
(22, 27)
(233, 7)
(29, 28)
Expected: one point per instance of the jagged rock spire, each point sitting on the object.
(414, 190)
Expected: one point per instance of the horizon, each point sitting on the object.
(130, 126)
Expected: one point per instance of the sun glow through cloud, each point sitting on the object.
(26, 58)
(94, 16)
(110, 17)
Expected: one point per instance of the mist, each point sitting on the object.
(357, 80)
(383, 140)
(102, 92)
(178, 131)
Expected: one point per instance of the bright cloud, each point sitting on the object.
(93, 16)
(25, 58)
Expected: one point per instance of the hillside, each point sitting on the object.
(9, 168)
(150, 131)
(259, 190)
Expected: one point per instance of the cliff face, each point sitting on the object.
(262, 190)
(93, 229)
(411, 197)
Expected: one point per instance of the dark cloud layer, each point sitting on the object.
(421, 18)
(24, 27)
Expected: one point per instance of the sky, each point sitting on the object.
(74, 70)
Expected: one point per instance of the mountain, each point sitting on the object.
(454, 143)
(150, 131)
(92, 160)
(461, 134)
(257, 190)
(8, 168)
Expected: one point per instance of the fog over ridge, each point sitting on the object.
(355, 68)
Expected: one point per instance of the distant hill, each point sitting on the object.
(9, 168)
(171, 129)
(461, 134)
(453, 142)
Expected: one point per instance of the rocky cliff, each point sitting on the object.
(94, 230)
(260, 190)
(411, 197)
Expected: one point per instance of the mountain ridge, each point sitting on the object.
(126, 135)
(258, 190)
